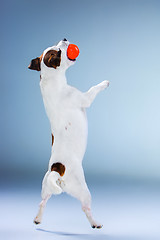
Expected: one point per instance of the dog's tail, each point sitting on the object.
(51, 184)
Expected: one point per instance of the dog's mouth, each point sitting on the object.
(73, 60)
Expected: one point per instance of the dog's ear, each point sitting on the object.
(52, 58)
(35, 64)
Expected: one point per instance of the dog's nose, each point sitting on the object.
(65, 39)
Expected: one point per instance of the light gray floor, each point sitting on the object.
(127, 211)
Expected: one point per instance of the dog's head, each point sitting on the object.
(53, 58)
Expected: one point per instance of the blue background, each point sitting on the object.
(118, 41)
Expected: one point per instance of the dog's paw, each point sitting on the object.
(103, 85)
(97, 226)
(37, 221)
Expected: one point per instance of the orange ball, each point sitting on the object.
(72, 51)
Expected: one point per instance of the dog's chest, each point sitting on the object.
(60, 108)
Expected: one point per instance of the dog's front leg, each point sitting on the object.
(89, 96)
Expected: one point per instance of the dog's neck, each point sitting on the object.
(57, 78)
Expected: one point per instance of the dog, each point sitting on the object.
(66, 109)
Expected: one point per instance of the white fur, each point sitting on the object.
(65, 107)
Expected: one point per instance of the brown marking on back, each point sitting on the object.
(52, 58)
(58, 167)
(35, 63)
(52, 139)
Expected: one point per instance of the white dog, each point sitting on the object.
(65, 107)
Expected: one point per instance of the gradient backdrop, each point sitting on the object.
(119, 40)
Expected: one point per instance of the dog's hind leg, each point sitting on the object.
(86, 207)
(42, 205)
(79, 190)
(46, 194)
(49, 187)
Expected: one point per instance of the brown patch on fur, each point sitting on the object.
(58, 167)
(52, 58)
(35, 63)
(52, 139)
(41, 57)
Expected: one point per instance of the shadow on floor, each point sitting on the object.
(91, 236)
